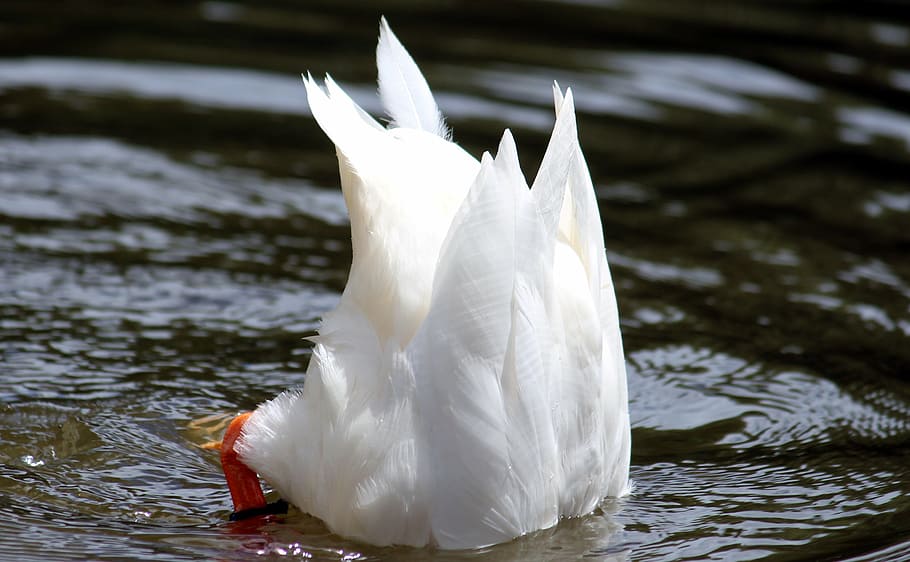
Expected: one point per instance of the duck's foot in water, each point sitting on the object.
(204, 430)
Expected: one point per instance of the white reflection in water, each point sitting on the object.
(876, 271)
(824, 302)
(67, 178)
(215, 87)
(225, 88)
(871, 313)
(860, 125)
(594, 93)
(638, 84)
(890, 34)
(696, 277)
(712, 83)
(633, 85)
(901, 79)
(884, 201)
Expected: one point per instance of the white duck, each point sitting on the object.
(470, 386)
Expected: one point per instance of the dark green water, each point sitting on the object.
(171, 227)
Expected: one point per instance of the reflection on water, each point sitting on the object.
(171, 228)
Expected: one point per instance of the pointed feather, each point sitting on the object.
(557, 96)
(593, 445)
(339, 95)
(403, 89)
(583, 230)
(549, 186)
(340, 118)
(459, 351)
(528, 370)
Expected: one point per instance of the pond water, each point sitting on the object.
(171, 227)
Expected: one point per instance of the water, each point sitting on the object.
(171, 227)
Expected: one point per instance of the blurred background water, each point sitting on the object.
(171, 227)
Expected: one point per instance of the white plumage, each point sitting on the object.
(470, 386)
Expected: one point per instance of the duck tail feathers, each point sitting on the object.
(403, 89)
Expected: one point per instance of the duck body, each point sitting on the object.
(470, 386)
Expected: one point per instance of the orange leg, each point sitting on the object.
(246, 492)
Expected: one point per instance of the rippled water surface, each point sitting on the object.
(171, 228)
